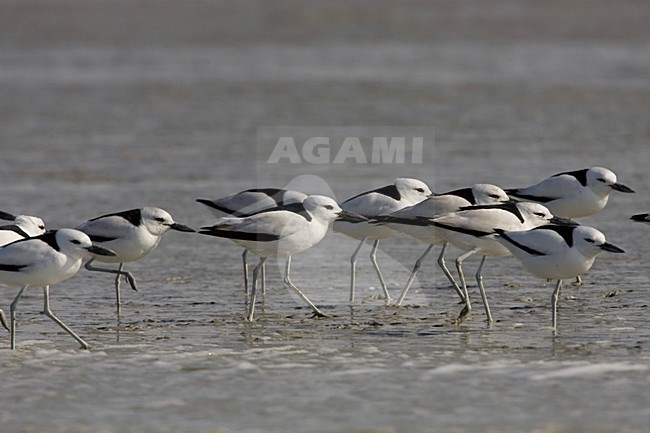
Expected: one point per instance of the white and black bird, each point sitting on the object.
(472, 230)
(641, 218)
(249, 202)
(44, 260)
(371, 204)
(556, 252)
(131, 234)
(415, 221)
(573, 194)
(24, 226)
(281, 233)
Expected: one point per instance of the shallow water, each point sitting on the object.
(96, 120)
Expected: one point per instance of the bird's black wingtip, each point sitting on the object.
(7, 216)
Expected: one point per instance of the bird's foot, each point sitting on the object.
(464, 314)
(131, 281)
(319, 314)
(577, 282)
(3, 321)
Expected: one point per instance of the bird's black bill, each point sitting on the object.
(7, 216)
(622, 188)
(100, 251)
(611, 248)
(350, 217)
(563, 221)
(181, 228)
(642, 217)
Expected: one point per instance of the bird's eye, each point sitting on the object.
(494, 195)
(419, 189)
(76, 242)
(600, 179)
(160, 219)
(41, 227)
(328, 207)
(591, 241)
(540, 214)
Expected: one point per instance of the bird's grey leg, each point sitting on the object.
(243, 258)
(443, 266)
(287, 281)
(467, 310)
(129, 277)
(48, 313)
(119, 272)
(353, 264)
(479, 280)
(554, 300)
(251, 306)
(263, 277)
(414, 272)
(578, 281)
(12, 313)
(118, 301)
(373, 259)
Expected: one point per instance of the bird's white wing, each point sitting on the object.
(106, 228)
(535, 242)
(426, 208)
(423, 212)
(23, 253)
(246, 202)
(478, 222)
(550, 189)
(448, 203)
(371, 204)
(276, 223)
